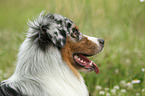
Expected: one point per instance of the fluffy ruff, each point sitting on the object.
(49, 59)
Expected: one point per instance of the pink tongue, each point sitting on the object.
(95, 67)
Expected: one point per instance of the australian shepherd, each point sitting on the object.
(50, 57)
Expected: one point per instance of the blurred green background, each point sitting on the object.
(121, 23)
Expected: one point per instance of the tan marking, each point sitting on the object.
(65, 56)
(77, 28)
(84, 46)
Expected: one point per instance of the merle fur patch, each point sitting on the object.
(52, 29)
(6, 90)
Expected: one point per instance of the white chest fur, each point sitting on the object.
(45, 74)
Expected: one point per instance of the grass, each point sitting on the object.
(120, 22)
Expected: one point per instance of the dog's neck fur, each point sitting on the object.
(40, 73)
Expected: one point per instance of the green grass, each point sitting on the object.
(120, 22)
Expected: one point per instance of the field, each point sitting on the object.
(121, 23)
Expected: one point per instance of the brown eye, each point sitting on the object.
(75, 31)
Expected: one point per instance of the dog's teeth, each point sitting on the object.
(91, 63)
(76, 56)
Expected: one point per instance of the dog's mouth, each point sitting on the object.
(83, 61)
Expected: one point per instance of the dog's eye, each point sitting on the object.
(75, 33)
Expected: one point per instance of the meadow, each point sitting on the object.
(121, 23)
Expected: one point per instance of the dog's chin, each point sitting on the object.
(86, 70)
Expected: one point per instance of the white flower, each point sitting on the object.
(142, 69)
(113, 91)
(129, 85)
(122, 83)
(106, 89)
(116, 87)
(98, 87)
(101, 92)
(137, 94)
(116, 71)
(123, 91)
(143, 90)
(128, 61)
(107, 94)
(142, 0)
(135, 81)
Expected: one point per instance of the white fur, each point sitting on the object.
(95, 40)
(40, 73)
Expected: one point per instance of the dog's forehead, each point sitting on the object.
(60, 19)
(68, 26)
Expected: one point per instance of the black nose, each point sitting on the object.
(101, 41)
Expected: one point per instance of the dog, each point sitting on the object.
(50, 58)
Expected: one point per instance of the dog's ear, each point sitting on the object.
(48, 29)
(55, 34)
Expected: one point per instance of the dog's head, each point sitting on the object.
(56, 30)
